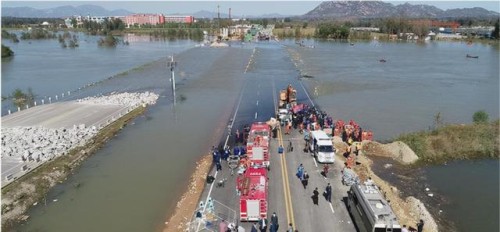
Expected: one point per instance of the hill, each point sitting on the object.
(60, 12)
(379, 9)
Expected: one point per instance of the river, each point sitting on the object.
(135, 180)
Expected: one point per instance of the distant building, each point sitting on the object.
(142, 19)
(97, 19)
(371, 29)
(179, 19)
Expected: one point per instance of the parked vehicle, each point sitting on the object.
(369, 209)
(252, 187)
(258, 144)
(322, 147)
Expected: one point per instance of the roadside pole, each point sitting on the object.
(172, 64)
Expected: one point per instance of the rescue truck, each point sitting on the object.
(252, 187)
(258, 144)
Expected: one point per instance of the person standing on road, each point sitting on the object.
(223, 226)
(300, 171)
(420, 226)
(274, 222)
(404, 229)
(263, 224)
(328, 193)
(254, 227)
(315, 196)
(290, 228)
(305, 179)
(325, 169)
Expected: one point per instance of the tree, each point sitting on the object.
(108, 41)
(74, 23)
(480, 117)
(265, 22)
(22, 99)
(6, 52)
(496, 32)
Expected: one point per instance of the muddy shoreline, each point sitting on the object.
(179, 219)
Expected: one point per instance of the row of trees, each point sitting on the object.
(38, 33)
(14, 22)
(12, 36)
(181, 33)
(104, 28)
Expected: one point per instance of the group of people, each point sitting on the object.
(304, 178)
(263, 224)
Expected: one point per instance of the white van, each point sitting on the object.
(322, 147)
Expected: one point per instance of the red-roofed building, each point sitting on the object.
(142, 19)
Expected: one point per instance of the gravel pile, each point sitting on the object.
(42, 144)
(126, 99)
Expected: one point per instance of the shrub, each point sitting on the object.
(480, 117)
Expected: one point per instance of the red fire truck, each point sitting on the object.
(252, 187)
(258, 144)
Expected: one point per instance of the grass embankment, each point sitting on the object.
(455, 142)
(33, 187)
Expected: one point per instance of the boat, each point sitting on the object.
(469, 56)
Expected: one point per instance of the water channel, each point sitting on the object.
(135, 180)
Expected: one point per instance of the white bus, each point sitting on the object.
(322, 147)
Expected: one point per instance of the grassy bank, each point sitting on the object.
(33, 187)
(455, 142)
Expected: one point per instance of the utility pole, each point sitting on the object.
(172, 64)
(218, 21)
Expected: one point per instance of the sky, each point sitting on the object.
(238, 7)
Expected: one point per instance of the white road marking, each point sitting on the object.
(255, 115)
(331, 207)
(225, 144)
(315, 163)
(305, 91)
(257, 102)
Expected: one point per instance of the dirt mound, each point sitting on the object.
(397, 150)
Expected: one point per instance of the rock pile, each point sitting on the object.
(42, 144)
(126, 99)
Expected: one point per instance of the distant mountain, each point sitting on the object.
(379, 9)
(62, 11)
(469, 12)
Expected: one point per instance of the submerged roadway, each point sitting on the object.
(268, 71)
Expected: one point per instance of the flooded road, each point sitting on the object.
(135, 180)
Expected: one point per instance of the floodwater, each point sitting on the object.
(50, 70)
(404, 94)
(135, 180)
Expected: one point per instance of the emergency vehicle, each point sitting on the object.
(258, 144)
(252, 187)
